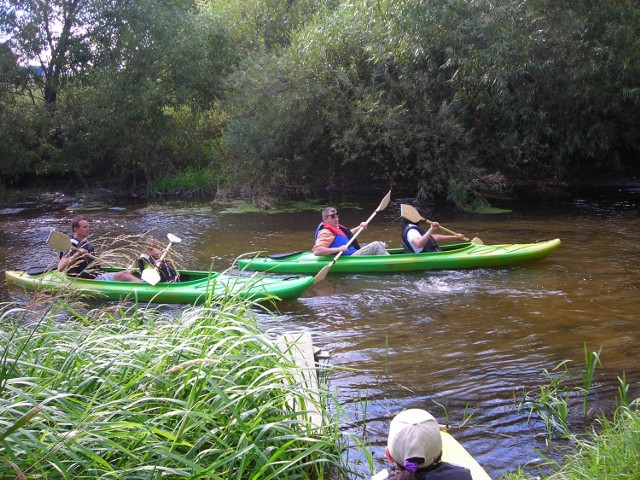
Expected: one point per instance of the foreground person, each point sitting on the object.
(332, 238)
(76, 262)
(414, 446)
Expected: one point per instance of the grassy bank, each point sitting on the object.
(134, 394)
(610, 449)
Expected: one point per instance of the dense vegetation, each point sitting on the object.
(137, 394)
(449, 99)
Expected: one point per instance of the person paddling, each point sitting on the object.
(151, 259)
(332, 238)
(417, 240)
(76, 261)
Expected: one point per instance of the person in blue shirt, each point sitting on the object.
(332, 238)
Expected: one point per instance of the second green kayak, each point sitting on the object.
(194, 287)
(462, 255)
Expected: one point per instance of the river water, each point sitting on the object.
(465, 345)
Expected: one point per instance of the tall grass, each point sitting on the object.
(610, 451)
(551, 402)
(135, 395)
(613, 451)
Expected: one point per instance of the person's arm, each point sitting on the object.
(440, 238)
(419, 241)
(68, 261)
(321, 247)
(362, 226)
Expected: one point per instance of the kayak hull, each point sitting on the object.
(459, 256)
(194, 287)
(453, 452)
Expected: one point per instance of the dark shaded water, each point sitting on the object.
(457, 343)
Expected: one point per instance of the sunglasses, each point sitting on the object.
(333, 215)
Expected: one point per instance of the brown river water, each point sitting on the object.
(457, 343)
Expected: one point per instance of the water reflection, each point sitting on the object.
(458, 343)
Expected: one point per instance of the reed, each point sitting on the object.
(553, 400)
(133, 394)
(609, 450)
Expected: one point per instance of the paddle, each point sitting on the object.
(152, 275)
(411, 214)
(323, 273)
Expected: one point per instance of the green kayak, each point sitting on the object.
(461, 255)
(194, 286)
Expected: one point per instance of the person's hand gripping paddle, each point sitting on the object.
(60, 242)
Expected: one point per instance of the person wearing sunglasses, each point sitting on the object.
(331, 238)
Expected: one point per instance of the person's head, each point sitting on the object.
(80, 227)
(414, 439)
(153, 248)
(330, 216)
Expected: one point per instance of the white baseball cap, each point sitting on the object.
(414, 433)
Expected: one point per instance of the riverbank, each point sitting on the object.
(611, 450)
(135, 393)
(109, 192)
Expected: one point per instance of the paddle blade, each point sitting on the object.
(384, 202)
(59, 241)
(410, 213)
(173, 239)
(477, 240)
(322, 274)
(150, 275)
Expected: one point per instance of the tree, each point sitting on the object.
(63, 37)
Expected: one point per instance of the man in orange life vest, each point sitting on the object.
(331, 238)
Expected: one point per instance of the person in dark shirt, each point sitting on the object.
(151, 259)
(414, 446)
(76, 261)
(417, 240)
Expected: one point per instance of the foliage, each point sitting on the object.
(612, 452)
(132, 394)
(189, 182)
(609, 451)
(442, 99)
(123, 110)
(611, 448)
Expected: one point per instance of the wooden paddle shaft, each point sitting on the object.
(445, 229)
